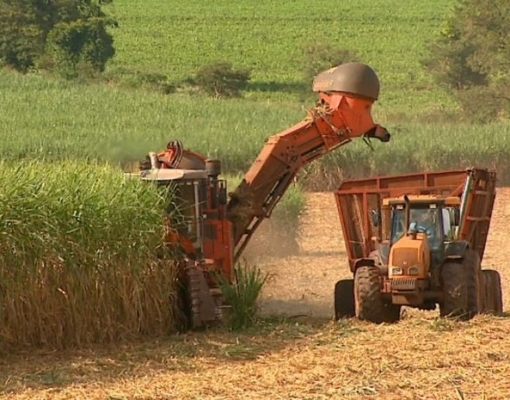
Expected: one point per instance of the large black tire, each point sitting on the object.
(493, 298)
(369, 305)
(498, 294)
(488, 292)
(344, 299)
(455, 293)
(471, 264)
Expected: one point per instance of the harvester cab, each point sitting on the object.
(198, 230)
(195, 195)
(216, 230)
(428, 234)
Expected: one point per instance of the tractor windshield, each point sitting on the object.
(426, 220)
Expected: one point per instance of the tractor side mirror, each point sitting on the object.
(376, 218)
(456, 217)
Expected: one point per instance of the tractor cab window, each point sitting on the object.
(447, 223)
(427, 220)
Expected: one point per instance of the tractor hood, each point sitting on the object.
(410, 256)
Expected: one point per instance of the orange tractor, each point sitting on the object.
(417, 240)
(216, 227)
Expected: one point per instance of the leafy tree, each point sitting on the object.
(220, 79)
(472, 56)
(79, 46)
(60, 35)
(22, 32)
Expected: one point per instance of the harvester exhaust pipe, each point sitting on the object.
(154, 160)
(213, 167)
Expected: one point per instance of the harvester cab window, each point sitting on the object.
(183, 210)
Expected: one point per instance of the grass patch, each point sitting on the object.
(242, 295)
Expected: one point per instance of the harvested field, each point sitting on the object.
(306, 357)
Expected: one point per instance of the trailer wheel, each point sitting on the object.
(498, 295)
(344, 299)
(455, 299)
(488, 295)
(483, 290)
(493, 297)
(369, 304)
(471, 264)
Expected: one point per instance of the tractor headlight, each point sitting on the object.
(397, 271)
(414, 270)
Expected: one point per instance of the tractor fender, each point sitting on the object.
(364, 262)
(456, 250)
(371, 261)
(377, 258)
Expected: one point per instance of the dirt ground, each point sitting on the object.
(311, 357)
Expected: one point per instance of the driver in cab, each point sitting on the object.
(426, 221)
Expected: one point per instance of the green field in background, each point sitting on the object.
(176, 38)
(43, 117)
(55, 120)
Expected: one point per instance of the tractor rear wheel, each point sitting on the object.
(455, 293)
(368, 301)
(471, 264)
(493, 299)
(344, 299)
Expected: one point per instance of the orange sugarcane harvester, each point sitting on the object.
(217, 227)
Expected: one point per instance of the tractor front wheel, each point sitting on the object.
(369, 305)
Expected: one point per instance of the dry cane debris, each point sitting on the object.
(422, 357)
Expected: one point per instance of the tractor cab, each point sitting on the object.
(434, 216)
(421, 227)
